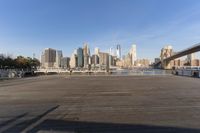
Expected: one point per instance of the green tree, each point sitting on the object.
(35, 63)
(19, 62)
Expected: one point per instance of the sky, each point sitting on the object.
(29, 26)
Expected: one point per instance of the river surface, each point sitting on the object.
(125, 72)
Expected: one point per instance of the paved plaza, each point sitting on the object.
(100, 104)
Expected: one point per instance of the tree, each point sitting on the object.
(19, 62)
(35, 63)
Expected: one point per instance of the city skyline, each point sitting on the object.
(28, 27)
(82, 58)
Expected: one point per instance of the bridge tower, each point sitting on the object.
(166, 65)
(165, 53)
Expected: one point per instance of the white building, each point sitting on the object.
(118, 51)
(133, 54)
(73, 59)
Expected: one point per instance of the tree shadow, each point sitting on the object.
(19, 127)
(94, 127)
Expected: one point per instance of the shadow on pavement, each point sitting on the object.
(92, 127)
(19, 127)
(12, 120)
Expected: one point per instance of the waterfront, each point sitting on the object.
(6, 74)
(141, 71)
(58, 103)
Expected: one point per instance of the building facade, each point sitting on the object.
(191, 59)
(95, 59)
(59, 55)
(86, 55)
(142, 62)
(49, 58)
(133, 54)
(73, 61)
(65, 62)
(80, 57)
(104, 60)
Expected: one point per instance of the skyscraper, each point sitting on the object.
(86, 54)
(133, 54)
(95, 59)
(49, 57)
(86, 50)
(104, 60)
(65, 62)
(80, 57)
(59, 55)
(73, 59)
(118, 51)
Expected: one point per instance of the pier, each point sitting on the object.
(114, 104)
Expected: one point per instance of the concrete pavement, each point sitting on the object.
(105, 104)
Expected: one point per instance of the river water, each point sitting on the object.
(141, 72)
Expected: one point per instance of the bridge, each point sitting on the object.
(165, 64)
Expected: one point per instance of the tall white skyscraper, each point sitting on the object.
(133, 54)
(118, 51)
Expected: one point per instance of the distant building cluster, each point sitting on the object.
(81, 59)
(52, 58)
(130, 60)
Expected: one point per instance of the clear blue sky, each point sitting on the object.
(29, 26)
